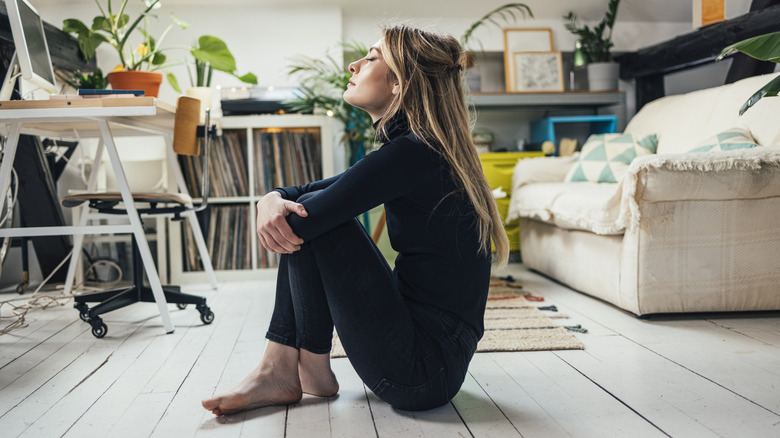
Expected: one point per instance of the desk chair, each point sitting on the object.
(186, 141)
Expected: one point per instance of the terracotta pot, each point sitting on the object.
(149, 81)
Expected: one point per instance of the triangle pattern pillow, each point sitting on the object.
(604, 158)
(728, 140)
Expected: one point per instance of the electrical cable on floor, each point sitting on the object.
(43, 302)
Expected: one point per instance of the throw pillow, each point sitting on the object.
(730, 139)
(605, 157)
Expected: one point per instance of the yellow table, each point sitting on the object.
(498, 168)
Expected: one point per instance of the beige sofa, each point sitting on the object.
(682, 231)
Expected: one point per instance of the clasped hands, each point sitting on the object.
(272, 228)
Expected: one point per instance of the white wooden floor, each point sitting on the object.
(683, 376)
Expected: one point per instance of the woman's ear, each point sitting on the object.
(396, 88)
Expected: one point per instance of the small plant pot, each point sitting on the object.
(603, 76)
(148, 81)
(204, 94)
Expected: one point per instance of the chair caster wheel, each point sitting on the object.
(206, 315)
(99, 328)
(181, 306)
(83, 311)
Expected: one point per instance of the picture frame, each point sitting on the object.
(523, 40)
(537, 72)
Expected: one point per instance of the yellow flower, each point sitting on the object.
(142, 49)
(118, 68)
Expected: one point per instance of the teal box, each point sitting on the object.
(554, 128)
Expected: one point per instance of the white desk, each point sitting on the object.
(104, 119)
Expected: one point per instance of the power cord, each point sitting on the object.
(43, 302)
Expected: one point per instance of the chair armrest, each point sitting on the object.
(740, 174)
(540, 170)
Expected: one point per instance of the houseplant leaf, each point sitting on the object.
(763, 47)
(769, 90)
(215, 52)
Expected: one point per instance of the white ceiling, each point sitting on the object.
(588, 10)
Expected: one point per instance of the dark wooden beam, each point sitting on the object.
(64, 48)
(743, 66)
(699, 47)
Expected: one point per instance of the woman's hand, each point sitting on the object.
(272, 228)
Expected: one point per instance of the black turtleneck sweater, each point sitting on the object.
(429, 221)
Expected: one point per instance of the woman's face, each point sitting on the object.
(372, 86)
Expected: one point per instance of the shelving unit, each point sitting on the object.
(510, 115)
(246, 127)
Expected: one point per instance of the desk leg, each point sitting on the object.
(78, 239)
(203, 250)
(138, 229)
(9, 154)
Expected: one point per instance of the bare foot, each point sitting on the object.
(258, 389)
(316, 376)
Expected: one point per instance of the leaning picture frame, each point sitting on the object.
(523, 40)
(537, 71)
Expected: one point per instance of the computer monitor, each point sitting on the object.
(32, 51)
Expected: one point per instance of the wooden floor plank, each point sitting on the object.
(764, 326)
(690, 375)
(572, 405)
(185, 415)
(246, 355)
(309, 418)
(36, 364)
(674, 399)
(89, 354)
(744, 365)
(350, 413)
(41, 325)
(479, 412)
(116, 401)
(434, 423)
(71, 407)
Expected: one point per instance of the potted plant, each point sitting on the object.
(596, 44)
(506, 13)
(322, 85)
(765, 48)
(137, 66)
(210, 54)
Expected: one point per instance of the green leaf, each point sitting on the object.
(771, 89)
(101, 23)
(72, 25)
(248, 78)
(214, 51)
(157, 59)
(174, 82)
(763, 47)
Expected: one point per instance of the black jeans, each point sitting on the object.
(412, 356)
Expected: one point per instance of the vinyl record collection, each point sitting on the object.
(282, 157)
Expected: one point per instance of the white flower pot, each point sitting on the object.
(205, 94)
(603, 76)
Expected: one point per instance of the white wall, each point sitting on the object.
(263, 39)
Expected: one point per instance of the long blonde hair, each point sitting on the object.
(429, 70)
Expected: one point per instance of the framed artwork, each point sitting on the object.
(537, 71)
(523, 40)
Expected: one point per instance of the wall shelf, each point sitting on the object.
(565, 99)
